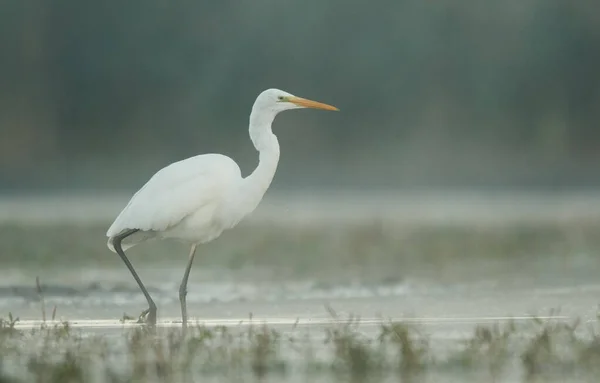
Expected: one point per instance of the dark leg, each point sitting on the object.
(183, 287)
(151, 311)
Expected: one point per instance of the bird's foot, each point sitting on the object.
(148, 317)
(182, 300)
(142, 317)
(184, 325)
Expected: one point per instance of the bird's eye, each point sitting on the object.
(280, 98)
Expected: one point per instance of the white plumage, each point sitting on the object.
(185, 200)
(196, 199)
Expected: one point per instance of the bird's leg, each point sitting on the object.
(183, 287)
(151, 311)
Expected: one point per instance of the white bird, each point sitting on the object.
(196, 199)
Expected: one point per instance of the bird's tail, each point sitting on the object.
(130, 241)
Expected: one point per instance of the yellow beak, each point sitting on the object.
(310, 104)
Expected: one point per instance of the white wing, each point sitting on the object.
(175, 192)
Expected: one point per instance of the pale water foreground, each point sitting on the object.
(446, 262)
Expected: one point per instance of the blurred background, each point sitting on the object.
(460, 179)
(433, 94)
(467, 147)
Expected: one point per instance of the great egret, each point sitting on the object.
(196, 199)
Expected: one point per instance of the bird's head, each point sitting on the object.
(275, 100)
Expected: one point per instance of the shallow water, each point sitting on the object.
(462, 263)
(303, 299)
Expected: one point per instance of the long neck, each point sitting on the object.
(256, 184)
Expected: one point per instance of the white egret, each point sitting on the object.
(196, 199)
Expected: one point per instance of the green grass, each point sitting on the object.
(371, 252)
(375, 252)
(543, 351)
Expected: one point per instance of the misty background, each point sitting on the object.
(99, 95)
(459, 180)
